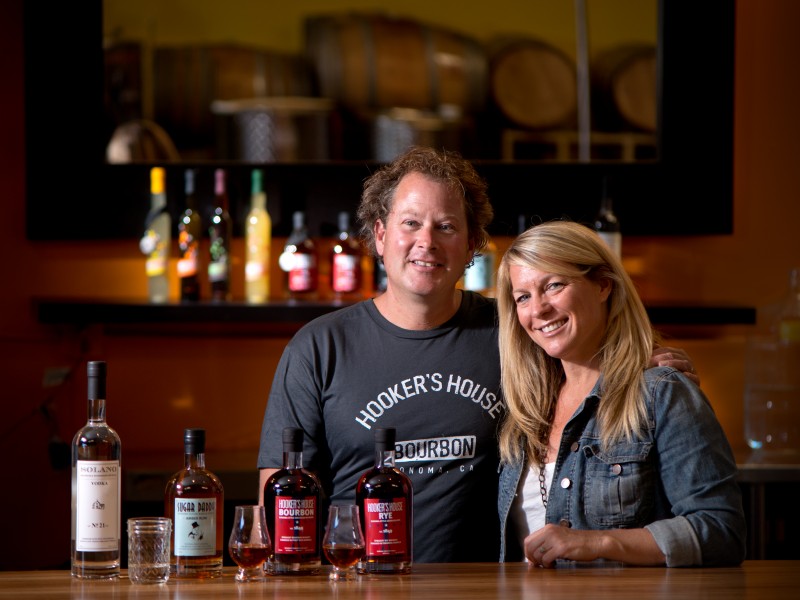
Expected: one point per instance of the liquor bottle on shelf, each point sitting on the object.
(379, 278)
(220, 233)
(258, 240)
(189, 232)
(96, 487)
(292, 504)
(157, 239)
(194, 500)
(299, 260)
(789, 317)
(606, 223)
(480, 276)
(346, 257)
(385, 498)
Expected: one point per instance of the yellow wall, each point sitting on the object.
(160, 384)
(279, 25)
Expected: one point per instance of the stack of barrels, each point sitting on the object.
(388, 82)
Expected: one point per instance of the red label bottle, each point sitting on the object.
(292, 504)
(385, 499)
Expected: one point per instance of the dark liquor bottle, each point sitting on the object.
(299, 260)
(346, 257)
(292, 504)
(379, 277)
(606, 223)
(194, 500)
(157, 239)
(189, 232)
(96, 499)
(220, 233)
(385, 499)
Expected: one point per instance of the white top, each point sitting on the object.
(527, 509)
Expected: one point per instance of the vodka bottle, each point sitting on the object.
(96, 497)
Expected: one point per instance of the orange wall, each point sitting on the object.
(160, 384)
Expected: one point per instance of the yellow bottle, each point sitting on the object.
(258, 240)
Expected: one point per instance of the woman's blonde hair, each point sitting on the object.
(531, 379)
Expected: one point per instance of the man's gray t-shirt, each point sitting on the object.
(350, 371)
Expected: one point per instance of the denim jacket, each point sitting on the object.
(677, 480)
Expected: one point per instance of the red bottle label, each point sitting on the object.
(386, 526)
(295, 525)
(345, 273)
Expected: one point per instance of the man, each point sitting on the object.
(422, 357)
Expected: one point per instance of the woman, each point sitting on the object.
(642, 471)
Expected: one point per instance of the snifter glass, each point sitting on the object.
(250, 544)
(343, 543)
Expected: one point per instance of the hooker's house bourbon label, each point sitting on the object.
(295, 525)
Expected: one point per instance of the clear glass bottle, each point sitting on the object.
(194, 500)
(789, 318)
(346, 257)
(480, 276)
(220, 232)
(299, 260)
(292, 503)
(190, 227)
(606, 223)
(96, 487)
(157, 239)
(258, 242)
(384, 496)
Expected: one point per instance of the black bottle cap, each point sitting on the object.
(292, 439)
(96, 373)
(385, 437)
(194, 441)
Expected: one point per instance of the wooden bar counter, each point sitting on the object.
(757, 579)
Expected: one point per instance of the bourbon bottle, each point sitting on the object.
(292, 504)
(385, 499)
(194, 500)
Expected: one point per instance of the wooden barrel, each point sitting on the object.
(532, 83)
(187, 79)
(624, 88)
(372, 61)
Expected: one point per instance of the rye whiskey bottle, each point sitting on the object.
(96, 501)
(292, 504)
(385, 499)
(194, 499)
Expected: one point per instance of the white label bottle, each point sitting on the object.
(258, 242)
(96, 489)
(157, 239)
